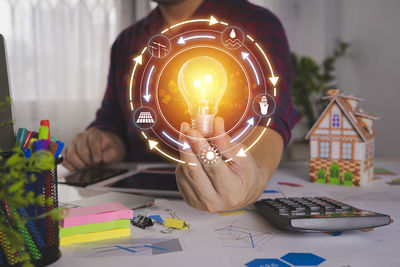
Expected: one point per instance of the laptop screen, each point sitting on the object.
(7, 137)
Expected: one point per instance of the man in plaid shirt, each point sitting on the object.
(226, 186)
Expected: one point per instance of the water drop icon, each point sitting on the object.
(232, 34)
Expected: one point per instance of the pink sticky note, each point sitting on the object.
(96, 214)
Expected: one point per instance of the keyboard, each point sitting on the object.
(317, 214)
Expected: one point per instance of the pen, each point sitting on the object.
(11, 257)
(32, 228)
(6, 246)
(50, 235)
(26, 236)
(38, 188)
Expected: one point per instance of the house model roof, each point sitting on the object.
(348, 104)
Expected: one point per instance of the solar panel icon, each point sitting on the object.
(145, 117)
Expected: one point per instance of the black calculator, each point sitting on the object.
(317, 214)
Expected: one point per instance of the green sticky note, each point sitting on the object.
(95, 227)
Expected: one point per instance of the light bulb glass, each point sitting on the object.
(202, 83)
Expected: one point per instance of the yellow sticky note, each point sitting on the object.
(176, 223)
(114, 233)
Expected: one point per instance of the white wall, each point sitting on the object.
(372, 68)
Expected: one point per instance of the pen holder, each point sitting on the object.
(40, 233)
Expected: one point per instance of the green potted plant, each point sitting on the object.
(15, 172)
(311, 82)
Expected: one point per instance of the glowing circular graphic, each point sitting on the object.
(194, 71)
(210, 155)
(165, 97)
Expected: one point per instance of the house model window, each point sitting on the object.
(335, 121)
(324, 150)
(347, 150)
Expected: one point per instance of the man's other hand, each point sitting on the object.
(224, 186)
(92, 147)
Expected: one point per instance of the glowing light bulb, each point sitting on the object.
(202, 83)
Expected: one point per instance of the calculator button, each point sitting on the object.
(299, 209)
(283, 211)
(297, 213)
(315, 208)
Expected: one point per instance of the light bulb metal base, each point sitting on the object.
(204, 123)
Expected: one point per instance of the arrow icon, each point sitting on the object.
(245, 56)
(213, 21)
(250, 122)
(147, 96)
(152, 144)
(183, 40)
(138, 59)
(184, 145)
(241, 153)
(274, 80)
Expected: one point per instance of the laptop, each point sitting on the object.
(7, 136)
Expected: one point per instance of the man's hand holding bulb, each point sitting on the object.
(224, 186)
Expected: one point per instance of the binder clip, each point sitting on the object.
(174, 223)
(142, 221)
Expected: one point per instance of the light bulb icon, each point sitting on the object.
(202, 82)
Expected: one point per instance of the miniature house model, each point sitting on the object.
(342, 143)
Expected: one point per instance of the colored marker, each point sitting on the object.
(45, 143)
(28, 137)
(43, 133)
(46, 123)
(59, 149)
(27, 152)
(33, 140)
(21, 136)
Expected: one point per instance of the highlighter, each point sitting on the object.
(43, 133)
(46, 123)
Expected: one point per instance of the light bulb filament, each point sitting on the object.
(202, 82)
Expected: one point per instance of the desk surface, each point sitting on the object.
(239, 238)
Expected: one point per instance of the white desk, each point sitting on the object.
(234, 240)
